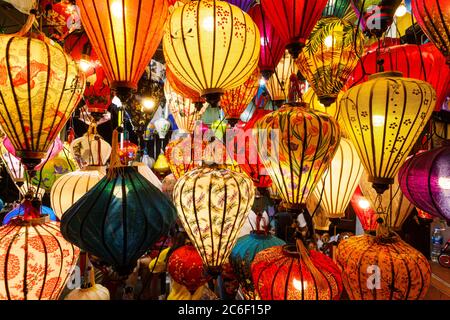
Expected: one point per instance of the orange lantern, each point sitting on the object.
(182, 89)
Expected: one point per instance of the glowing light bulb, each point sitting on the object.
(299, 285)
(117, 9)
(401, 11)
(148, 104)
(364, 204)
(262, 82)
(85, 65)
(378, 121)
(444, 183)
(329, 41)
(263, 41)
(208, 23)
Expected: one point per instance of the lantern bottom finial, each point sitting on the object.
(267, 74)
(212, 97)
(327, 100)
(233, 122)
(295, 48)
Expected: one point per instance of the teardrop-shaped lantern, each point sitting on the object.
(272, 47)
(329, 57)
(119, 219)
(212, 207)
(375, 16)
(294, 20)
(278, 83)
(433, 17)
(36, 260)
(40, 86)
(384, 117)
(364, 211)
(211, 46)
(339, 182)
(425, 180)
(124, 38)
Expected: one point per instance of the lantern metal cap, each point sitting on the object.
(387, 74)
(32, 222)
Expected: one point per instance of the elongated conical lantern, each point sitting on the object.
(125, 34)
(213, 205)
(384, 117)
(211, 46)
(339, 182)
(40, 86)
(278, 83)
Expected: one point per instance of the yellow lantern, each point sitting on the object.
(278, 83)
(329, 57)
(161, 165)
(339, 182)
(384, 118)
(311, 98)
(296, 145)
(213, 205)
(212, 46)
(319, 218)
(40, 86)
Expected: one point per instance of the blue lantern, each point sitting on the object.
(19, 212)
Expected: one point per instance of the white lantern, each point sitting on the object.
(148, 174)
(90, 150)
(162, 126)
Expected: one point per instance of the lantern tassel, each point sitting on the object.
(115, 163)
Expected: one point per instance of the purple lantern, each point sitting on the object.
(243, 4)
(425, 181)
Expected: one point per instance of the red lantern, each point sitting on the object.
(364, 211)
(294, 20)
(127, 151)
(62, 19)
(417, 62)
(272, 47)
(185, 266)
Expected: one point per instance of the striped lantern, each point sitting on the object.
(278, 83)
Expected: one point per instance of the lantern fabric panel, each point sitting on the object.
(90, 150)
(336, 8)
(36, 261)
(211, 46)
(311, 98)
(181, 89)
(47, 79)
(364, 211)
(278, 83)
(124, 38)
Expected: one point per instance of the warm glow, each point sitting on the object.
(148, 104)
(208, 23)
(299, 285)
(262, 82)
(117, 9)
(378, 121)
(444, 183)
(401, 11)
(85, 65)
(329, 40)
(364, 204)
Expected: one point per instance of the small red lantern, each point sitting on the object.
(127, 151)
(364, 211)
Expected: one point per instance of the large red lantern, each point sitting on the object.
(417, 62)
(294, 20)
(272, 46)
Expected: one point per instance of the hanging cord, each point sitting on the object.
(115, 163)
(356, 33)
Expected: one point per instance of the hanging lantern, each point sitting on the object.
(311, 98)
(13, 165)
(127, 151)
(391, 107)
(417, 62)
(90, 150)
(62, 18)
(147, 160)
(243, 254)
(211, 46)
(319, 218)
(181, 89)
(119, 219)
(375, 16)
(185, 112)
(235, 101)
(53, 86)
(162, 126)
(339, 182)
(294, 20)
(278, 83)
(69, 188)
(19, 211)
(245, 5)
(272, 47)
(329, 57)
(425, 181)
(185, 266)
(433, 17)
(396, 206)
(295, 166)
(423, 215)
(168, 185)
(377, 268)
(36, 260)
(148, 174)
(219, 191)
(161, 165)
(124, 39)
(288, 273)
(364, 211)
(336, 8)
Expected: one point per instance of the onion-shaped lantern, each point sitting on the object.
(433, 17)
(380, 268)
(124, 38)
(211, 46)
(272, 47)
(336, 8)
(294, 20)
(384, 117)
(243, 254)
(425, 181)
(375, 16)
(339, 182)
(329, 57)
(364, 211)
(36, 73)
(212, 206)
(278, 83)
(69, 188)
(36, 261)
(119, 219)
(185, 266)
(245, 5)
(288, 273)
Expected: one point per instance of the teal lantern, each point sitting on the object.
(243, 254)
(119, 219)
(336, 8)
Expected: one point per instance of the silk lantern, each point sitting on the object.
(391, 107)
(329, 57)
(336, 8)
(119, 219)
(211, 46)
(13, 166)
(364, 211)
(148, 174)
(182, 89)
(425, 181)
(124, 38)
(36, 73)
(90, 150)
(340, 180)
(433, 17)
(212, 207)
(319, 219)
(287, 273)
(19, 211)
(375, 16)
(294, 20)
(272, 47)
(311, 98)
(36, 260)
(377, 268)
